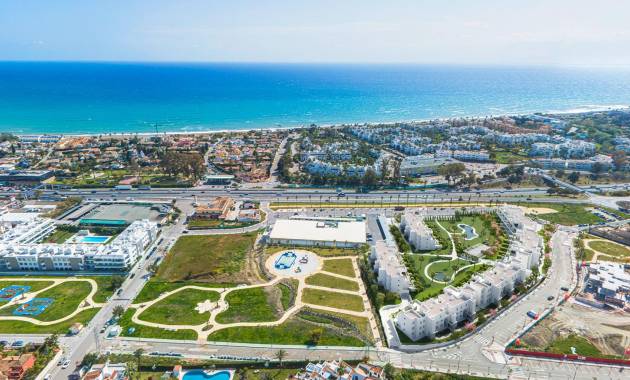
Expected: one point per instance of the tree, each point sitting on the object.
(316, 335)
(451, 171)
(370, 179)
(280, 355)
(89, 359)
(388, 371)
(573, 177)
(138, 355)
(116, 282)
(50, 343)
(619, 159)
(118, 311)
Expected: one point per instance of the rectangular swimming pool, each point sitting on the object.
(93, 239)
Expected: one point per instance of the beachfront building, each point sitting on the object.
(329, 232)
(426, 319)
(416, 231)
(19, 251)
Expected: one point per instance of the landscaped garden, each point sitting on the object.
(610, 248)
(259, 304)
(179, 308)
(567, 214)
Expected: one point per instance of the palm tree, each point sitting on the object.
(280, 355)
(138, 355)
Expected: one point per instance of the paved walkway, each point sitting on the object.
(597, 254)
(212, 325)
(87, 303)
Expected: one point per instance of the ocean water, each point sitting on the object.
(74, 98)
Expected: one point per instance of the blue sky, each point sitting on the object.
(556, 32)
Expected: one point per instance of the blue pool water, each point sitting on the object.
(469, 231)
(198, 374)
(286, 260)
(93, 239)
(71, 97)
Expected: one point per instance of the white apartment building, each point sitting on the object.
(417, 233)
(426, 319)
(390, 270)
(19, 250)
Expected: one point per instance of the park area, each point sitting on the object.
(51, 304)
(320, 304)
(598, 249)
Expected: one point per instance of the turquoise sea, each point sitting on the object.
(75, 98)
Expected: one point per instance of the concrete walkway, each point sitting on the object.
(212, 325)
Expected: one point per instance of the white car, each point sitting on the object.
(65, 364)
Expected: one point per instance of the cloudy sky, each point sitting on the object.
(522, 32)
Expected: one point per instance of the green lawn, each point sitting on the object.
(104, 290)
(214, 258)
(293, 331)
(35, 285)
(362, 324)
(447, 268)
(251, 305)
(568, 214)
(333, 299)
(582, 346)
(481, 224)
(179, 308)
(153, 288)
(66, 298)
(610, 248)
(152, 332)
(507, 157)
(442, 238)
(20, 327)
(339, 266)
(321, 279)
(217, 223)
(58, 237)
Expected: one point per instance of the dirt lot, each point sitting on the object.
(608, 332)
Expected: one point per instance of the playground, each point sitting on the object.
(44, 305)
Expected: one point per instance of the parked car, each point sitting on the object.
(564, 288)
(65, 364)
(532, 314)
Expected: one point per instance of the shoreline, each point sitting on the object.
(571, 111)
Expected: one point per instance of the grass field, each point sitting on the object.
(20, 327)
(567, 214)
(321, 279)
(153, 288)
(442, 238)
(447, 268)
(35, 285)
(610, 248)
(213, 258)
(333, 299)
(582, 346)
(151, 332)
(339, 266)
(251, 305)
(362, 324)
(66, 298)
(216, 223)
(58, 237)
(104, 289)
(293, 331)
(179, 308)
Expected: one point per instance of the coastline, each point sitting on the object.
(571, 111)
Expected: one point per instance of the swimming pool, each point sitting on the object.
(197, 374)
(469, 231)
(93, 239)
(285, 261)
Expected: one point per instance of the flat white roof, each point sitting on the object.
(18, 217)
(319, 230)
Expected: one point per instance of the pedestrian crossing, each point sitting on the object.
(482, 340)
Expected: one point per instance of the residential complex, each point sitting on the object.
(609, 283)
(20, 250)
(425, 319)
(339, 370)
(416, 231)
